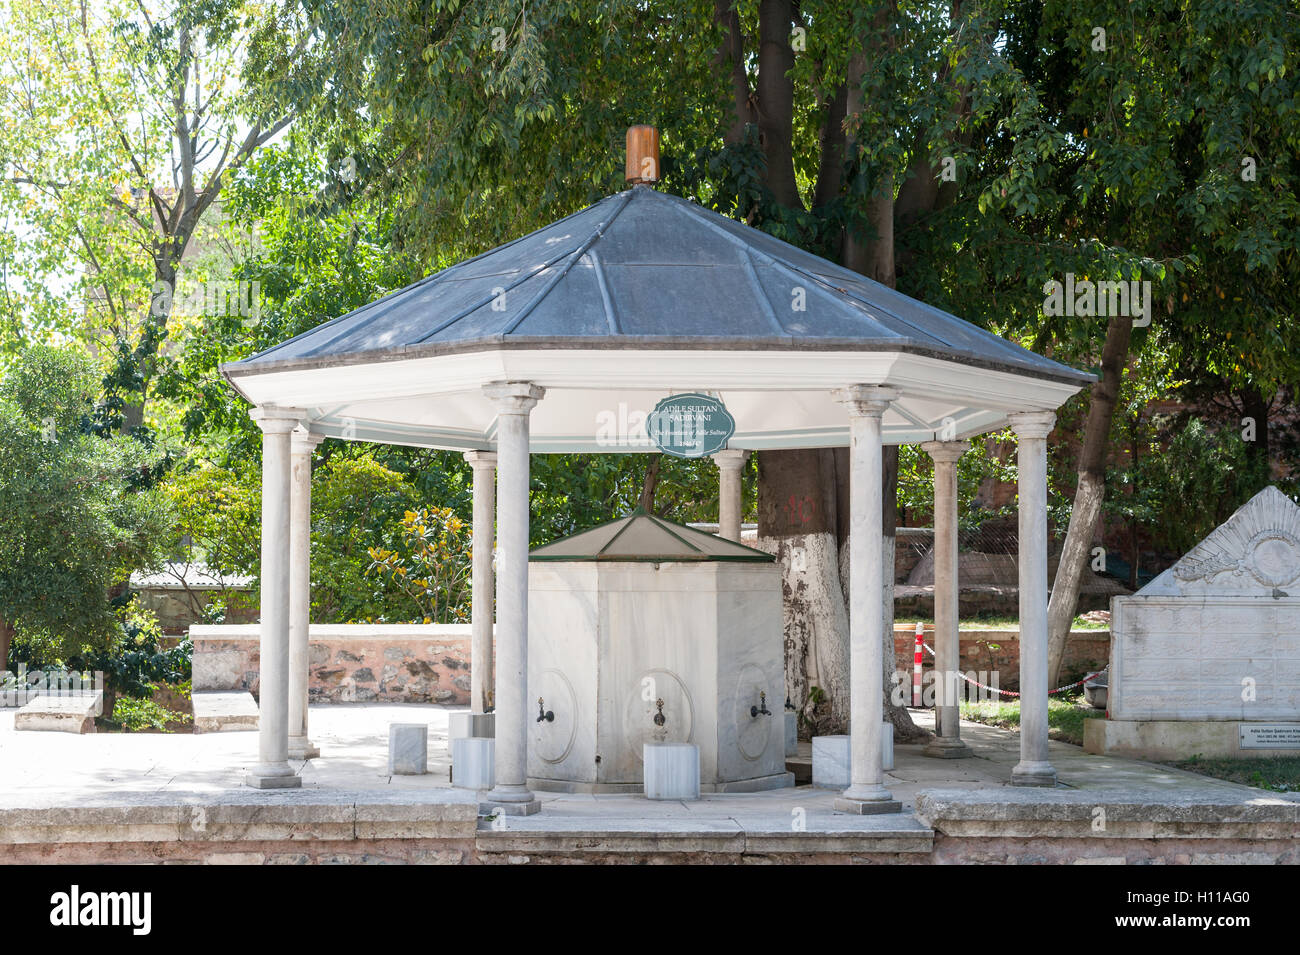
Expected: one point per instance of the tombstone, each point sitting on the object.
(830, 762)
(408, 749)
(473, 763)
(672, 770)
(1206, 658)
(462, 724)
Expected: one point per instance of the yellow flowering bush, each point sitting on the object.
(431, 565)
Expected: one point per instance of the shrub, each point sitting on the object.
(136, 660)
(431, 564)
(135, 714)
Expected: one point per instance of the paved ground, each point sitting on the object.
(43, 769)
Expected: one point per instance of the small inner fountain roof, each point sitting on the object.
(641, 536)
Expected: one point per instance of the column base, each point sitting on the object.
(859, 807)
(301, 747)
(529, 808)
(946, 747)
(272, 777)
(1033, 774)
(867, 801)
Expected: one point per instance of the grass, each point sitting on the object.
(1279, 774)
(1066, 714)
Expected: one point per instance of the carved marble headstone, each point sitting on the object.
(1216, 637)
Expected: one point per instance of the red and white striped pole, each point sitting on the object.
(916, 665)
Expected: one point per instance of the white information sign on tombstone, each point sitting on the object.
(1270, 735)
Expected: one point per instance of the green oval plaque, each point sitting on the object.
(690, 425)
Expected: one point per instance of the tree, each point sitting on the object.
(121, 124)
(74, 522)
(967, 153)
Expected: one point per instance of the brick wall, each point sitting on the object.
(999, 650)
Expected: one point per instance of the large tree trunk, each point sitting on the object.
(6, 640)
(1256, 406)
(1089, 494)
(803, 495)
(776, 99)
(799, 522)
(730, 60)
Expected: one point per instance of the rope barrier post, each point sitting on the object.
(916, 664)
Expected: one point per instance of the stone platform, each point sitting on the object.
(73, 713)
(161, 798)
(224, 712)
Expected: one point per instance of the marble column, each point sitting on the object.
(947, 742)
(1032, 429)
(729, 464)
(301, 445)
(866, 793)
(272, 770)
(481, 684)
(514, 402)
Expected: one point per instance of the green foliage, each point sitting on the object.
(1200, 478)
(74, 518)
(988, 461)
(431, 566)
(357, 504)
(136, 659)
(1279, 774)
(219, 511)
(137, 714)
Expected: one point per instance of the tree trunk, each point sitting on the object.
(730, 60)
(776, 99)
(830, 166)
(1089, 494)
(798, 521)
(1256, 406)
(647, 500)
(6, 640)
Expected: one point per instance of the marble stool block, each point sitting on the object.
(473, 763)
(408, 749)
(830, 762)
(887, 746)
(791, 733)
(463, 723)
(672, 770)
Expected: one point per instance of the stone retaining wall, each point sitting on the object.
(349, 663)
(956, 827)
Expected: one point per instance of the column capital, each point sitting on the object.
(303, 440)
(513, 397)
(481, 460)
(1032, 424)
(865, 400)
(730, 459)
(273, 419)
(945, 452)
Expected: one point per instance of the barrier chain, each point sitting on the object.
(1059, 689)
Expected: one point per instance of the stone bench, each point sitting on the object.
(73, 713)
(219, 712)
